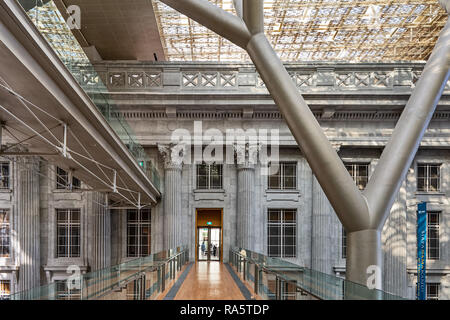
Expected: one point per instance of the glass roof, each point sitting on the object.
(316, 30)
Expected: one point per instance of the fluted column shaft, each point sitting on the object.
(172, 206)
(27, 223)
(246, 206)
(99, 231)
(322, 230)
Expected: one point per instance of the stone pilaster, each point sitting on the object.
(246, 156)
(325, 231)
(393, 240)
(99, 230)
(173, 165)
(27, 223)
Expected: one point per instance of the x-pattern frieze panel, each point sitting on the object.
(191, 79)
(304, 80)
(381, 79)
(90, 78)
(345, 79)
(153, 79)
(117, 79)
(209, 79)
(362, 79)
(227, 79)
(136, 79)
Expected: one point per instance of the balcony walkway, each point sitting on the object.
(209, 281)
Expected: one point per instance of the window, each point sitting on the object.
(5, 289)
(68, 233)
(344, 243)
(428, 177)
(64, 293)
(62, 180)
(4, 234)
(433, 291)
(209, 176)
(285, 178)
(359, 173)
(433, 235)
(282, 233)
(138, 232)
(4, 175)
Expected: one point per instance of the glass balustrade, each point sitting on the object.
(273, 278)
(49, 21)
(138, 279)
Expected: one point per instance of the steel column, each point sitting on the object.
(362, 217)
(399, 153)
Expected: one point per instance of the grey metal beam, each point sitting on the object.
(330, 172)
(399, 153)
(238, 7)
(362, 219)
(344, 196)
(253, 15)
(221, 22)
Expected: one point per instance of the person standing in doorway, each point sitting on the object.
(203, 248)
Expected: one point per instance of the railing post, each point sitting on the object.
(244, 272)
(277, 289)
(256, 279)
(173, 268)
(163, 277)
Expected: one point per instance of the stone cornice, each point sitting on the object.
(356, 115)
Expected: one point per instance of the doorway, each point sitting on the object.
(209, 235)
(209, 244)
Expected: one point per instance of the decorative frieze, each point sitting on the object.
(209, 79)
(339, 77)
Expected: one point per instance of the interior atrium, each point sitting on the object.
(224, 150)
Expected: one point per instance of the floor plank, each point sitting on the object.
(209, 281)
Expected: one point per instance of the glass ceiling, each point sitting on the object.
(316, 30)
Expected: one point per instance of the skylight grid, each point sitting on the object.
(315, 30)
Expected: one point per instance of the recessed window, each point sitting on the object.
(433, 235)
(209, 176)
(64, 293)
(66, 181)
(5, 238)
(344, 244)
(285, 178)
(68, 233)
(428, 177)
(5, 289)
(138, 232)
(4, 175)
(359, 173)
(433, 291)
(282, 233)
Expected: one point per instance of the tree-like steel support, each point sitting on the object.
(362, 214)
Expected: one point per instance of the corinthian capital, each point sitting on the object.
(173, 155)
(246, 154)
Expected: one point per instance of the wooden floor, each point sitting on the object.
(209, 281)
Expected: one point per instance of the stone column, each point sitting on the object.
(325, 228)
(393, 239)
(246, 156)
(99, 230)
(27, 223)
(323, 231)
(173, 165)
